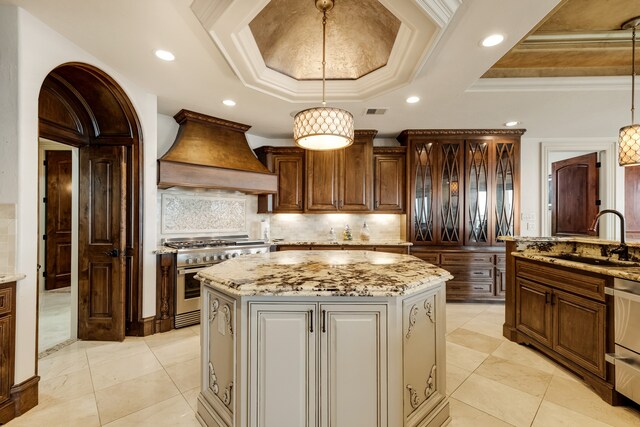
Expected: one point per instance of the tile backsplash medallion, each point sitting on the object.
(7, 238)
(315, 227)
(207, 213)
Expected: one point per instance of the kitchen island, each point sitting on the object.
(299, 338)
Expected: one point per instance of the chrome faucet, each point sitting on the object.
(622, 250)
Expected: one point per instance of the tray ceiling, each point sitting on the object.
(577, 38)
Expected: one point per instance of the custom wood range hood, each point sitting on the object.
(213, 153)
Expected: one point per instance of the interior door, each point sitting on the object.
(58, 220)
(102, 223)
(574, 194)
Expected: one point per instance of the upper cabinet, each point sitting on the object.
(288, 164)
(341, 180)
(389, 179)
(463, 185)
(359, 178)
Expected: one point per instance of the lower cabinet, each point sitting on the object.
(345, 369)
(7, 350)
(563, 312)
(323, 361)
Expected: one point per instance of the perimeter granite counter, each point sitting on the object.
(349, 338)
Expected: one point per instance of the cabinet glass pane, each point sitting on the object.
(504, 190)
(423, 204)
(450, 206)
(477, 198)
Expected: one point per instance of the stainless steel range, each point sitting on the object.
(195, 254)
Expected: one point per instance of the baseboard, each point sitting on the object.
(23, 397)
(163, 325)
(142, 328)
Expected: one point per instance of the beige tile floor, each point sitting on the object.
(55, 317)
(153, 381)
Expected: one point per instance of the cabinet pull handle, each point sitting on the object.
(342, 203)
(324, 321)
(311, 321)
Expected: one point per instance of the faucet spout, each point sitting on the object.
(622, 250)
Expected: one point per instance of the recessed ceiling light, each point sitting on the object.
(512, 124)
(492, 40)
(413, 99)
(229, 102)
(165, 55)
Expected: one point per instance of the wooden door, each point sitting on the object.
(356, 176)
(574, 194)
(478, 194)
(353, 365)
(533, 310)
(322, 180)
(632, 201)
(58, 220)
(282, 368)
(290, 171)
(102, 220)
(579, 331)
(389, 182)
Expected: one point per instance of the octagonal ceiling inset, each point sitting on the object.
(360, 35)
(373, 46)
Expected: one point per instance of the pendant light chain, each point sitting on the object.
(324, 46)
(633, 72)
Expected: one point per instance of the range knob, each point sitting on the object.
(189, 260)
(196, 260)
(206, 258)
(235, 255)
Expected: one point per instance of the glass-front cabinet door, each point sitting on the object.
(450, 209)
(478, 196)
(424, 161)
(505, 205)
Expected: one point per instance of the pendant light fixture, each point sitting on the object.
(323, 128)
(629, 140)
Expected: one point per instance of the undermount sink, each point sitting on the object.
(605, 262)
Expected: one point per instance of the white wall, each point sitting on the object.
(40, 50)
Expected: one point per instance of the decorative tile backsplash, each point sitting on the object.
(7, 238)
(202, 213)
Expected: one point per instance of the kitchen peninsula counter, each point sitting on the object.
(285, 333)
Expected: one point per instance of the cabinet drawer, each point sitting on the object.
(329, 248)
(586, 285)
(392, 249)
(465, 274)
(478, 289)
(431, 258)
(466, 258)
(5, 301)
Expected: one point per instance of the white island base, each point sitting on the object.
(280, 356)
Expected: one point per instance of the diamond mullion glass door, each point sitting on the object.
(478, 196)
(451, 185)
(505, 203)
(422, 224)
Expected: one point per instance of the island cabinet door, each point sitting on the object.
(533, 310)
(353, 365)
(282, 365)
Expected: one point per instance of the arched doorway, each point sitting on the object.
(81, 106)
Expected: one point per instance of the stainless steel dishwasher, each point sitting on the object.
(626, 295)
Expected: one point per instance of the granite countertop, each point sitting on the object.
(11, 277)
(629, 272)
(568, 239)
(323, 273)
(160, 250)
(343, 242)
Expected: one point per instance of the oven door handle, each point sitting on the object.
(183, 271)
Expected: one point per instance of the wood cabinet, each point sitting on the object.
(288, 164)
(165, 289)
(462, 194)
(7, 349)
(341, 180)
(389, 171)
(564, 313)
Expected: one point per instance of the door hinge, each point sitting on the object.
(44, 200)
(44, 274)
(44, 237)
(44, 163)
(598, 202)
(598, 164)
